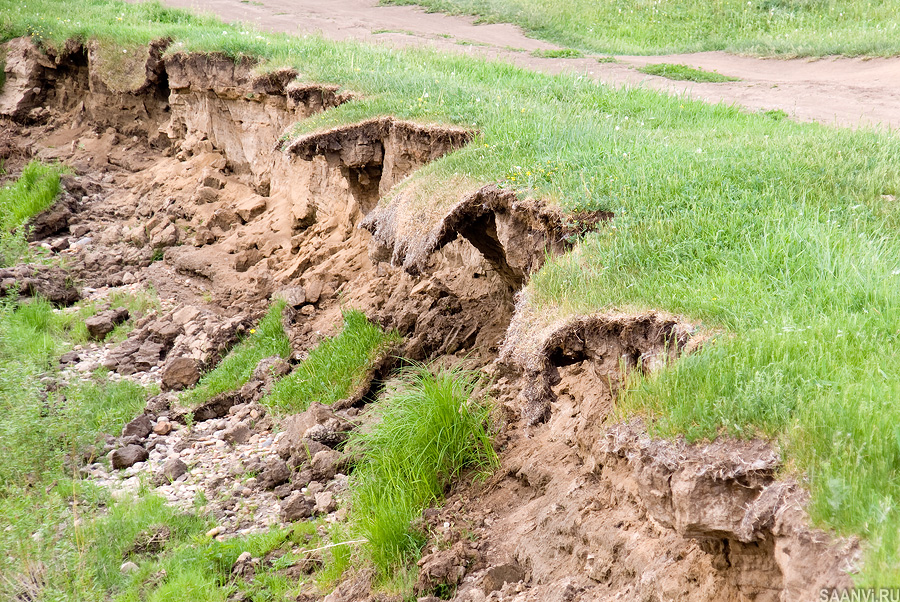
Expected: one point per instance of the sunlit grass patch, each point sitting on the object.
(335, 367)
(685, 73)
(34, 191)
(429, 430)
(763, 27)
(266, 340)
(560, 53)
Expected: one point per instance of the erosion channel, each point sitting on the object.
(185, 178)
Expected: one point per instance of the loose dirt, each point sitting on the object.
(832, 90)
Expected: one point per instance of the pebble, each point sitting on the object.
(128, 567)
(215, 531)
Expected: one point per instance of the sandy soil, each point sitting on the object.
(839, 91)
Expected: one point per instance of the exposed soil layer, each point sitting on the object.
(181, 183)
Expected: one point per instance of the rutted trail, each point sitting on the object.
(833, 90)
(183, 183)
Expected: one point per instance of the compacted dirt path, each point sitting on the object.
(839, 91)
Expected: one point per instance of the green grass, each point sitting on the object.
(429, 430)
(763, 27)
(68, 531)
(39, 432)
(780, 234)
(34, 190)
(334, 368)
(235, 370)
(562, 53)
(189, 565)
(685, 73)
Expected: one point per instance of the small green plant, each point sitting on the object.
(333, 368)
(560, 53)
(266, 340)
(34, 190)
(429, 430)
(607, 59)
(775, 114)
(158, 254)
(685, 73)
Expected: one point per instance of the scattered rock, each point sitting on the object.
(282, 491)
(128, 456)
(325, 503)
(52, 220)
(237, 434)
(294, 441)
(297, 507)
(325, 464)
(140, 427)
(72, 357)
(172, 469)
(128, 567)
(31, 280)
(275, 473)
(445, 567)
(162, 426)
(271, 367)
(215, 531)
(104, 322)
(180, 373)
(497, 576)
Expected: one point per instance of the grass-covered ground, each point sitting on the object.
(761, 27)
(780, 235)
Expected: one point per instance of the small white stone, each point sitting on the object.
(128, 567)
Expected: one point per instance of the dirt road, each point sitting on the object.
(839, 91)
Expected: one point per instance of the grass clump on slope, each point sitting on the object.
(266, 340)
(685, 73)
(334, 368)
(429, 430)
(34, 191)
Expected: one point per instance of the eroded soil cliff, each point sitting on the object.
(183, 181)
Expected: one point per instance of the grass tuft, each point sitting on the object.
(561, 53)
(685, 73)
(334, 368)
(34, 191)
(235, 370)
(429, 430)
